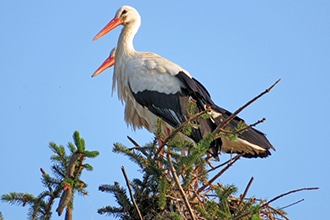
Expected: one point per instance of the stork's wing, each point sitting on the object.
(155, 85)
(167, 96)
(251, 142)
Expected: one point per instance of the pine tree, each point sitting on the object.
(176, 184)
(67, 170)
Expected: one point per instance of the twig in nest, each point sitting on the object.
(287, 193)
(218, 174)
(278, 212)
(231, 117)
(178, 129)
(220, 165)
(130, 193)
(177, 181)
(245, 192)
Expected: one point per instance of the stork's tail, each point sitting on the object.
(240, 138)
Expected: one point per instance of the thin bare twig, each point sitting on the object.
(133, 141)
(244, 193)
(278, 212)
(242, 129)
(294, 203)
(138, 147)
(177, 181)
(130, 192)
(287, 193)
(256, 123)
(178, 129)
(224, 163)
(218, 174)
(231, 117)
(250, 126)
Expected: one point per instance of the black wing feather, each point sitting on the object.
(200, 93)
(172, 108)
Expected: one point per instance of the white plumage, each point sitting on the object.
(152, 86)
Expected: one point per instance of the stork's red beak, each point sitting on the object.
(111, 25)
(109, 62)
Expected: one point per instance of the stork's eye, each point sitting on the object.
(124, 12)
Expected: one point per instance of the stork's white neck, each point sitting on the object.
(125, 45)
(125, 50)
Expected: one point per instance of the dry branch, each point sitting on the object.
(294, 203)
(287, 193)
(130, 192)
(218, 174)
(226, 122)
(245, 192)
(177, 181)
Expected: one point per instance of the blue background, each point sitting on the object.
(235, 48)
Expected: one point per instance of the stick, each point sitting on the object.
(245, 192)
(138, 147)
(224, 163)
(218, 174)
(177, 181)
(287, 193)
(130, 193)
(133, 142)
(278, 212)
(178, 129)
(287, 206)
(231, 117)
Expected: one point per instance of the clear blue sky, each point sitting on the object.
(235, 48)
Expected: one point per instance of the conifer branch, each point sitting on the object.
(131, 193)
(137, 147)
(67, 170)
(178, 129)
(231, 117)
(177, 181)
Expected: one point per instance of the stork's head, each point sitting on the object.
(126, 15)
(109, 62)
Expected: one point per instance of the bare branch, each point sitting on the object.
(220, 165)
(218, 174)
(177, 181)
(287, 193)
(278, 212)
(130, 192)
(133, 142)
(226, 122)
(294, 203)
(245, 192)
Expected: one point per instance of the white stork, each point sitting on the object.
(109, 62)
(147, 82)
(138, 116)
